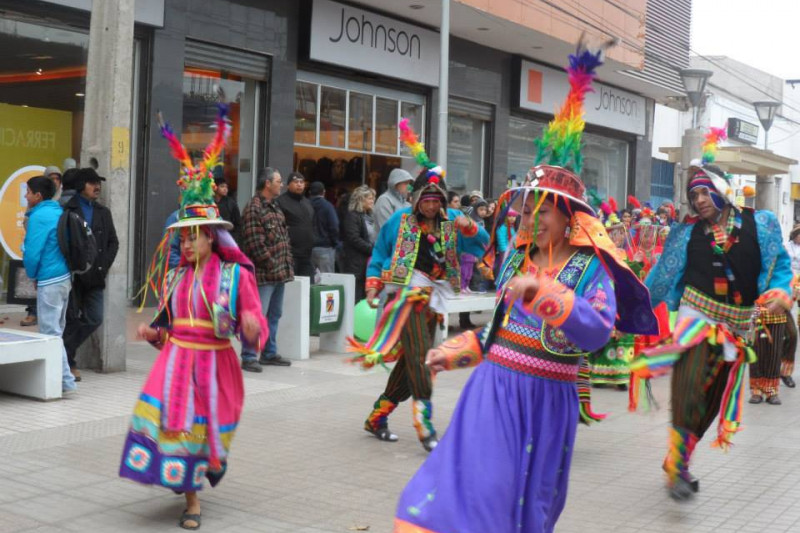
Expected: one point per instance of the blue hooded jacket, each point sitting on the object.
(42, 257)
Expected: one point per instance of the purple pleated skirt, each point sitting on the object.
(503, 463)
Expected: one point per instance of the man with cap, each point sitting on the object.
(718, 269)
(228, 208)
(299, 215)
(85, 310)
(326, 229)
(395, 197)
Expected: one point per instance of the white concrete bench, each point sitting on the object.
(30, 364)
(463, 303)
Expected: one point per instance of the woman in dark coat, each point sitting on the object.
(359, 234)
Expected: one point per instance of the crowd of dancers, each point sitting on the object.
(588, 294)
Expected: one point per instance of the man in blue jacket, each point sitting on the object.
(45, 263)
(326, 229)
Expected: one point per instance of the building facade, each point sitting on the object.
(318, 86)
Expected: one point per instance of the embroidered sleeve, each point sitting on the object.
(463, 351)
(587, 319)
(249, 302)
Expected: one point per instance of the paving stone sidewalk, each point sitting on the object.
(302, 464)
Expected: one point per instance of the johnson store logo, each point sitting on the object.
(370, 33)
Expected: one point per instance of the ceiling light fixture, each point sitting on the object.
(79, 95)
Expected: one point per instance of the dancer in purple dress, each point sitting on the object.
(503, 464)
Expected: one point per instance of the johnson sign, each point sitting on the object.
(543, 89)
(348, 36)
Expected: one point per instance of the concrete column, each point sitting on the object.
(691, 143)
(106, 143)
(766, 195)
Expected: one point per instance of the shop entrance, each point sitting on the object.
(214, 75)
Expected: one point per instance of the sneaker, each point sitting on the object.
(251, 365)
(29, 320)
(788, 381)
(274, 361)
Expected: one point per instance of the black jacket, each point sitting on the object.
(229, 210)
(357, 246)
(326, 223)
(299, 214)
(105, 235)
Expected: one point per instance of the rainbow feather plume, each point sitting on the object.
(711, 144)
(561, 140)
(177, 150)
(417, 149)
(214, 149)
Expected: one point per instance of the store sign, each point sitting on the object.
(543, 89)
(739, 130)
(329, 307)
(347, 36)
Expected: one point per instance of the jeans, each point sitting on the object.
(271, 296)
(51, 308)
(84, 316)
(324, 259)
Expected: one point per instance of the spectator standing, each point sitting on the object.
(453, 200)
(395, 197)
(267, 243)
(85, 311)
(53, 173)
(45, 264)
(299, 214)
(228, 208)
(359, 236)
(326, 229)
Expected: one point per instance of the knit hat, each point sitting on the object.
(52, 169)
(430, 181)
(711, 177)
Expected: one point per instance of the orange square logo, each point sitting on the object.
(534, 86)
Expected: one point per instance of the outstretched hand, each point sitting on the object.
(146, 333)
(436, 360)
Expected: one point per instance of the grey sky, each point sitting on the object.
(764, 34)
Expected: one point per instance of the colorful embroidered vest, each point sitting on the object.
(532, 346)
(406, 250)
(223, 308)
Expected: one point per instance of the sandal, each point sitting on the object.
(186, 517)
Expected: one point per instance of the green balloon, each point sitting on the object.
(364, 319)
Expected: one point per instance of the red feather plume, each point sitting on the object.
(634, 202)
(613, 204)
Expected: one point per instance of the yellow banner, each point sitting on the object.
(31, 138)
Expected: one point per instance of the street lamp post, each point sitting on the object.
(766, 111)
(694, 83)
(766, 190)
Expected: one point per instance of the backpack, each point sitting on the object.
(76, 241)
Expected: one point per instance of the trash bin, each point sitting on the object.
(326, 308)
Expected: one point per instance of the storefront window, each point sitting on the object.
(305, 114)
(465, 153)
(368, 152)
(42, 86)
(202, 91)
(332, 117)
(386, 126)
(605, 160)
(360, 122)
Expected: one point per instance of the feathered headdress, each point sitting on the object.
(432, 180)
(197, 180)
(711, 144)
(560, 144)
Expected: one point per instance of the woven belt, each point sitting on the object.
(532, 365)
(221, 344)
(737, 317)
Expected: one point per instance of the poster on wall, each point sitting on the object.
(329, 307)
(31, 139)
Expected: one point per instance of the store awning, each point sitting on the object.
(746, 160)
